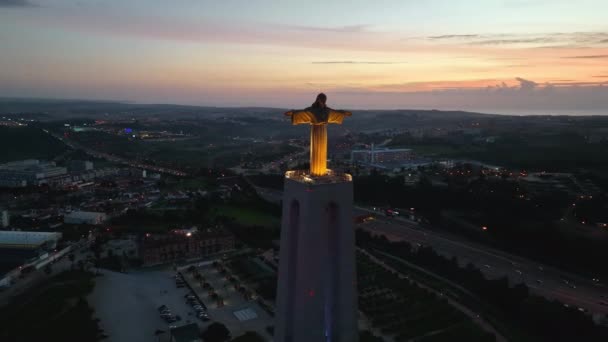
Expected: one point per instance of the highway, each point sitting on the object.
(546, 281)
(543, 280)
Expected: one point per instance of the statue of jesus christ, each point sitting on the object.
(318, 116)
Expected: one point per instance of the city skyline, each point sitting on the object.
(496, 56)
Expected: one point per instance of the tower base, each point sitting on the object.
(316, 296)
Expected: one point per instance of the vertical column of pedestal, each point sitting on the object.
(318, 150)
(311, 264)
(288, 270)
(332, 272)
(316, 294)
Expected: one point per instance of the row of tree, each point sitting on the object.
(218, 332)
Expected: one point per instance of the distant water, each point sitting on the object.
(542, 112)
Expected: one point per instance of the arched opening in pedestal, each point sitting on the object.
(292, 268)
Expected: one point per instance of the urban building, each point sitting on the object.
(32, 172)
(159, 249)
(4, 218)
(80, 165)
(20, 247)
(85, 217)
(28, 240)
(90, 175)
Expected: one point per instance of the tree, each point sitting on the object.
(72, 257)
(368, 336)
(48, 269)
(249, 336)
(216, 332)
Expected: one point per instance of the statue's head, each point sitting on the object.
(321, 100)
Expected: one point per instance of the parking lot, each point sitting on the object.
(234, 310)
(127, 304)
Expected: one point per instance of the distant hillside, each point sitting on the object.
(58, 109)
(18, 143)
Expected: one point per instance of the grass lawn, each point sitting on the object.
(198, 183)
(247, 216)
(17, 143)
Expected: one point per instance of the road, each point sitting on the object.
(546, 281)
(543, 280)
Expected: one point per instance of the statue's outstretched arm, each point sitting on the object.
(300, 116)
(337, 116)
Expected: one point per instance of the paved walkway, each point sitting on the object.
(234, 302)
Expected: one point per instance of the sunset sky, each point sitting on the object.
(493, 55)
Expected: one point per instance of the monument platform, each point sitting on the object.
(329, 177)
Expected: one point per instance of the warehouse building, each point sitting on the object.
(85, 217)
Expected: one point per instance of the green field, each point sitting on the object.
(18, 143)
(246, 216)
(198, 152)
(186, 184)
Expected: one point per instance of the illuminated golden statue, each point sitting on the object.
(318, 116)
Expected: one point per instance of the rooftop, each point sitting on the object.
(24, 238)
(85, 214)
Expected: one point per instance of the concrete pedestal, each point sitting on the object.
(316, 296)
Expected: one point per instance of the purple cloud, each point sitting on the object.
(355, 62)
(587, 57)
(526, 85)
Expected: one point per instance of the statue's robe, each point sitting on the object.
(318, 118)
